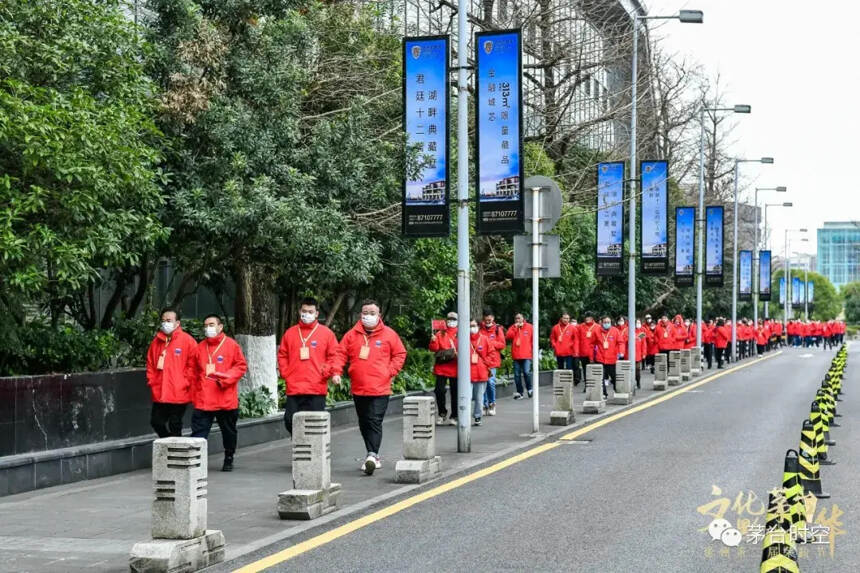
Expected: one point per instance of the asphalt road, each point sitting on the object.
(630, 495)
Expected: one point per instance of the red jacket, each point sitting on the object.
(521, 341)
(665, 334)
(308, 376)
(761, 335)
(641, 343)
(386, 355)
(218, 390)
(496, 336)
(172, 385)
(691, 336)
(722, 335)
(445, 340)
(651, 341)
(623, 339)
(708, 333)
(563, 339)
(607, 346)
(479, 350)
(680, 332)
(587, 339)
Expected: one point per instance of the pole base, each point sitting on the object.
(835, 425)
(826, 462)
(830, 443)
(837, 416)
(822, 495)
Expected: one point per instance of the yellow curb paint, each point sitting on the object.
(347, 528)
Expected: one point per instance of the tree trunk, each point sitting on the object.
(476, 297)
(255, 318)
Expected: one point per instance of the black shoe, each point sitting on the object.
(228, 464)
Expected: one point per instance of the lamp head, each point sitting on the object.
(743, 109)
(767, 160)
(691, 16)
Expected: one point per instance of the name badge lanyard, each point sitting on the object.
(304, 351)
(210, 366)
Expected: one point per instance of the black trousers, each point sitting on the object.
(639, 366)
(649, 361)
(761, 348)
(166, 419)
(579, 365)
(721, 353)
(201, 423)
(709, 354)
(302, 403)
(440, 397)
(371, 411)
(608, 374)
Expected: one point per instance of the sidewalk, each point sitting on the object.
(93, 525)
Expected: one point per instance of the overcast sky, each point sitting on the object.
(795, 64)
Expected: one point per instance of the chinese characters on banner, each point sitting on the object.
(610, 217)
(796, 292)
(810, 292)
(745, 275)
(425, 117)
(781, 290)
(764, 262)
(655, 207)
(714, 246)
(685, 231)
(499, 178)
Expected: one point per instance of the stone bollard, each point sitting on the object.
(313, 493)
(674, 368)
(594, 402)
(696, 361)
(562, 391)
(419, 441)
(686, 365)
(180, 540)
(661, 371)
(624, 383)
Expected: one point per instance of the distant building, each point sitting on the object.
(839, 252)
(434, 191)
(508, 187)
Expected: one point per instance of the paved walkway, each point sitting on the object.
(91, 526)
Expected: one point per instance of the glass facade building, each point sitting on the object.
(839, 252)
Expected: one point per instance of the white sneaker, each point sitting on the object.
(491, 411)
(452, 421)
(518, 396)
(484, 410)
(440, 421)
(370, 464)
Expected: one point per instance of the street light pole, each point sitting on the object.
(767, 237)
(464, 390)
(756, 262)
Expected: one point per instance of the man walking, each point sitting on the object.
(169, 373)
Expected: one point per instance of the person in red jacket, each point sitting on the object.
(520, 335)
(690, 341)
(722, 337)
(607, 349)
(563, 340)
(479, 349)
(641, 350)
(680, 332)
(708, 341)
(304, 361)
(444, 344)
(496, 336)
(375, 355)
(652, 348)
(219, 366)
(761, 337)
(169, 373)
(586, 336)
(623, 337)
(665, 333)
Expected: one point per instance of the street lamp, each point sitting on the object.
(766, 161)
(756, 262)
(807, 256)
(767, 237)
(700, 216)
(686, 17)
(787, 273)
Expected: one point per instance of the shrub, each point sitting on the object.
(256, 403)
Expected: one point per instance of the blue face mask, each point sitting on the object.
(606, 325)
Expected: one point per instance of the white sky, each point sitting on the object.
(795, 63)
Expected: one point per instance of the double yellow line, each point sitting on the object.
(385, 512)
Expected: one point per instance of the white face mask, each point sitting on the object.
(370, 320)
(474, 330)
(452, 324)
(168, 327)
(211, 331)
(638, 324)
(308, 317)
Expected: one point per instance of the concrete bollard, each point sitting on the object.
(686, 365)
(674, 368)
(313, 492)
(624, 383)
(562, 391)
(696, 361)
(661, 371)
(419, 441)
(594, 402)
(180, 540)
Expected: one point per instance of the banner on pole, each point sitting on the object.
(745, 275)
(781, 290)
(499, 141)
(655, 215)
(426, 211)
(764, 277)
(714, 235)
(685, 232)
(796, 292)
(610, 217)
(810, 292)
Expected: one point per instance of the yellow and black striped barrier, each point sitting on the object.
(810, 476)
(793, 489)
(778, 554)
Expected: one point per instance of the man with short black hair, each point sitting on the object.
(169, 374)
(220, 364)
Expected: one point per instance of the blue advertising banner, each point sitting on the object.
(810, 292)
(685, 233)
(426, 212)
(745, 274)
(781, 290)
(499, 143)
(655, 217)
(714, 229)
(796, 292)
(764, 276)
(610, 217)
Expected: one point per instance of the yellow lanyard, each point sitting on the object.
(305, 340)
(217, 348)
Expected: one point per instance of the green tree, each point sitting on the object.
(78, 154)
(851, 295)
(827, 304)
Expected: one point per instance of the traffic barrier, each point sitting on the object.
(674, 368)
(779, 554)
(562, 393)
(594, 402)
(686, 365)
(817, 424)
(810, 476)
(696, 360)
(794, 494)
(661, 371)
(623, 383)
(826, 415)
(420, 461)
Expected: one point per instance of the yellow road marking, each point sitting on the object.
(385, 512)
(577, 433)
